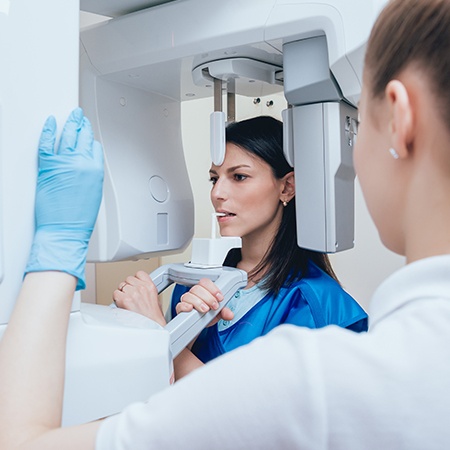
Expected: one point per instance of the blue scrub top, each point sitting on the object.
(313, 302)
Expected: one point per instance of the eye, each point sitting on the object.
(213, 180)
(239, 177)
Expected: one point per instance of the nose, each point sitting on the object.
(219, 191)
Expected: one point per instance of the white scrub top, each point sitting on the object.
(328, 388)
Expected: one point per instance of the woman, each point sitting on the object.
(301, 388)
(254, 191)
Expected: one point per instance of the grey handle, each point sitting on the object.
(185, 326)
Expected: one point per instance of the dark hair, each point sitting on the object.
(286, 262)
(412, 32)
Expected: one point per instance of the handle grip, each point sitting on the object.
(186, 326)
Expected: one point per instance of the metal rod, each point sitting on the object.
(231, 100)
(218, 95)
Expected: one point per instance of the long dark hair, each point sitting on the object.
(284, 262)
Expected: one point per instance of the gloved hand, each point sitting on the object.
(68, 196)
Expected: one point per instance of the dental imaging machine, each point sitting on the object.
(130, 74)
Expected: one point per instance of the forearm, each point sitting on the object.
(32, 358)
(185, 363)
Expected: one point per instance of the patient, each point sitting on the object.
(255, 189)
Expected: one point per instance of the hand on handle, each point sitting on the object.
(139, 294)
(203, 297)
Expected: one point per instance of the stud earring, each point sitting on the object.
(394, 153)
(285, 203)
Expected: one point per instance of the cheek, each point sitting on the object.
(365, 172)
(365, 160)
(267, 203)
(378, 190)
(358, 151)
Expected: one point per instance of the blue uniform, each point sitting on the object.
(314, 302)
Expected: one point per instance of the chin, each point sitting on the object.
(228, 232)
(393, 245)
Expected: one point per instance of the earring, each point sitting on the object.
(285, 203)
(394, 153)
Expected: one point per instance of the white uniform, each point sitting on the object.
(317, 389)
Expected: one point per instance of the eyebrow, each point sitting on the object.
(231, 169)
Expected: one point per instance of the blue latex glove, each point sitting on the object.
(68, 196)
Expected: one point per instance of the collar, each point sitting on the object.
(426, 278)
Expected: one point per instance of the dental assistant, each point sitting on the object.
(254, 189)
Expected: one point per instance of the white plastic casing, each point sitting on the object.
(212, 252)
(147, 203)
(217, 137)
(157, 50)
(324, 175)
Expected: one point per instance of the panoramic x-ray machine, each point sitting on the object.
(130, 75)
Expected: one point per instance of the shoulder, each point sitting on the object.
(328, 301)
(316, 283)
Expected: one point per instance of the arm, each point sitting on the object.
(32, 351)
(32, 367)
(265, 395)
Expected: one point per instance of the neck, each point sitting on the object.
(252, 254)
(256, 244)
(427, 229)
(428, 233)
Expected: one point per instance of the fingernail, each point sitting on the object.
(215, 305)
(203, 307)
(219, 296)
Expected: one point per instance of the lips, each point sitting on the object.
(225, 214)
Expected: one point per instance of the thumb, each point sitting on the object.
(226, 314)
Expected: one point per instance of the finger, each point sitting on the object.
(183, 307)
(211, 287)
(201, 298)
(85, 138)
(142, 284)
(118, 298)
(69, 136)
(143, 276)
(132, 281)
(226, 314)
(128, 300)
(97, 154)
(48, 136)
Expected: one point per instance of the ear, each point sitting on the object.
(401, 117)
(288, 187)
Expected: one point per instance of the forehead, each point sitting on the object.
(237, 156)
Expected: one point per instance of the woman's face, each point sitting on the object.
(245, 189)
